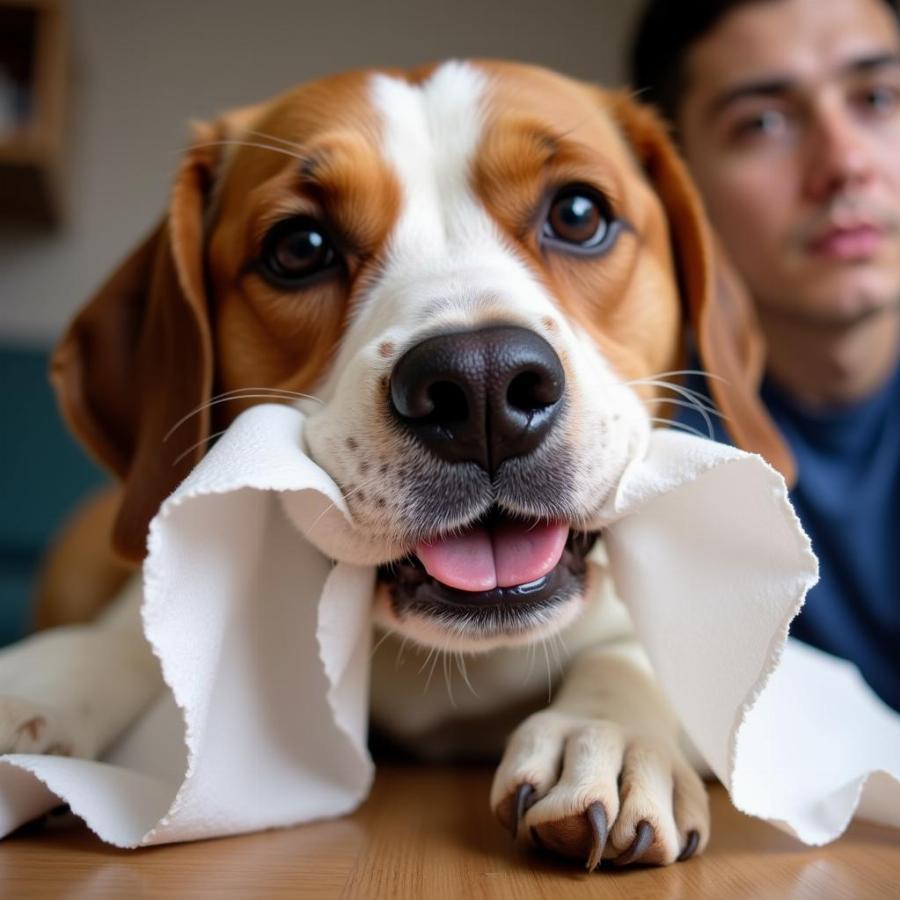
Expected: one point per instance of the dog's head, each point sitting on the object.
(480, 274)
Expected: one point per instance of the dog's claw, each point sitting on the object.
(596, 816)
(524, 795)
(690, 848)
(639, 846)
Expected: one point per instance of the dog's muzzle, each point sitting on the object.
(477, 400)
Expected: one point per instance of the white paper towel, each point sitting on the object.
(264, 644)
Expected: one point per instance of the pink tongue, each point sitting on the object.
(510, 554)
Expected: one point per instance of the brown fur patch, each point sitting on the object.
(326, 164)
(626, 299)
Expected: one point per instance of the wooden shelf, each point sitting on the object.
(33, 57)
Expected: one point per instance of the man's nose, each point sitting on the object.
(483, 396)
(840, 153)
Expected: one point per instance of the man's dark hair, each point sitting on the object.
(665, 32)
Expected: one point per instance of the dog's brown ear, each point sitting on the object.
(138, 358)
(716, 305)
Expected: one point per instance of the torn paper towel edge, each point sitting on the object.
(344, 662)
(764, 781)
(180, 810)
(275, 460)
(820, 798)
(843, 715)
(742, 483)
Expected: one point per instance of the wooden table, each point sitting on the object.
(426, 833)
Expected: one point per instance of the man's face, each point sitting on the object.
(790, 123)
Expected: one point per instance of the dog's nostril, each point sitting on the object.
(532, 391)
(437, 402)
(448, 403)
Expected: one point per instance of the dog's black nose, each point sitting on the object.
(481, 396)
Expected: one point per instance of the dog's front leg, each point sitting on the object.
(599, 773)
(73, 690)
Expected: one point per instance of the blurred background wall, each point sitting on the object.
(135, 72)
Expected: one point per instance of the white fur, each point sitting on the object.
(71, 691)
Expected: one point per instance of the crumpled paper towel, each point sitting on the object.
(264, 645)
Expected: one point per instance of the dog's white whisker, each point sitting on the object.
(688, 395)
(233, 142)
(447, 679)
(434, 661)
(321, 515)
(680, 426)
(711, 375)
(271, 390)
(553, 649)
(376, 479)
(699, 399)
(388, 632)
(661, 381)
(399, 660)
(200, 443)
(685, 404)
(271, 137)
(247, 393)
(461, 662)
(431, 652)
(563, 648)
(532, 653)
(549, 673)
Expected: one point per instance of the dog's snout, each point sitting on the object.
(482, 396)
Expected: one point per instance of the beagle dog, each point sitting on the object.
(477, 280)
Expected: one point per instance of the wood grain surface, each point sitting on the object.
(426, 833)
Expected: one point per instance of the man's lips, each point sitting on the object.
(847, 243)
(495, 553)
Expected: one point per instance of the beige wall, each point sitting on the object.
(142, 68)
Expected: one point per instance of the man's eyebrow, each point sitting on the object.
(779, 86)
(876, 61)
(764, 87)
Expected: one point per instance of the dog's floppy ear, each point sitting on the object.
(716, 305)
(138, 358)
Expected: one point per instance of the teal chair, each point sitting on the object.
(43, 474)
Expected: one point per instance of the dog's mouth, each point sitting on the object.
(496, 575)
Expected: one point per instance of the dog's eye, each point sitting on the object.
(579, 218)
(296, 251)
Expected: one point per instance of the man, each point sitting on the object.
(788, 114)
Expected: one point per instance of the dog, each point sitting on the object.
(474, 278)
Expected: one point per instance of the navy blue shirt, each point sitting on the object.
(848, 497)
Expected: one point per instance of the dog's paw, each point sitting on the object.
(594, 790)
(27, 727)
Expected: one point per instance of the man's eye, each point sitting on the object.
(767, 123)
(296, 251)
(580, 218)
(880, 99)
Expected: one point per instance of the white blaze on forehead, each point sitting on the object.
(447, 266)
(447, 262)
(430, 133)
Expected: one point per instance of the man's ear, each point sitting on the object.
(716, 306)
(139, 357)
